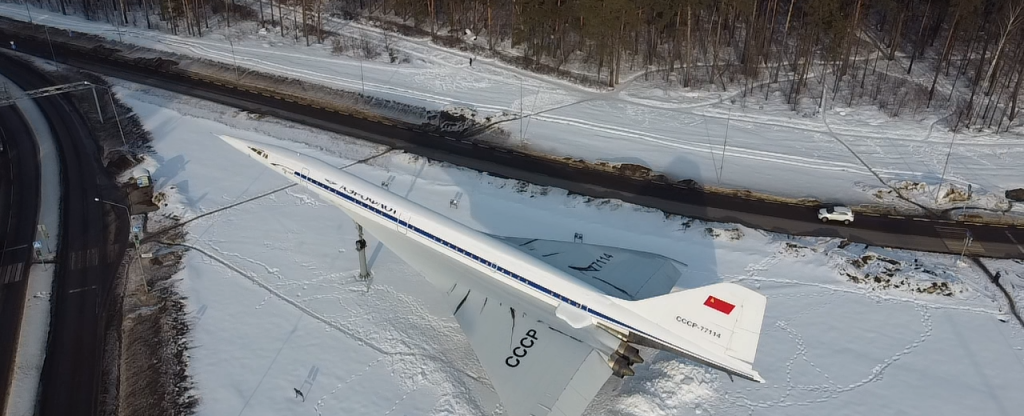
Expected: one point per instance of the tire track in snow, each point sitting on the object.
(701, 148)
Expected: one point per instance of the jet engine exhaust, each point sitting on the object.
(621, 366)
(630, 352)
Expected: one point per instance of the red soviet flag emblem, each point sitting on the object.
(719, 305)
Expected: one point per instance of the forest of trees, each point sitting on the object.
(962, 56)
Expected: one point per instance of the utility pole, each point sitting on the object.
(117, 26)
(711, 148)
(38, 247)
(126, 211)
(963, 207)
(96, 99)
(967, 241)
(725, 145)
(135, 239)
(138, 256)
(944, 166)
(233, 60)
(54, 55)
(46, 237)
(113, 107)
(364, 270)
(824, 88)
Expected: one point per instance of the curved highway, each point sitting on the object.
(19, 210)
(920, 233)
(92, 244)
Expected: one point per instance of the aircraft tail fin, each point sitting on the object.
(723, 318)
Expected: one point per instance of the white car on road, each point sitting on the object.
(843, 214)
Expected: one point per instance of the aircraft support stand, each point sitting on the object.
(364, 270)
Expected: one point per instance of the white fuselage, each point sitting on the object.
(418, 235)
(513, 272)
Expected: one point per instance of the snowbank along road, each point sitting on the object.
(19, 208)
(92, 244)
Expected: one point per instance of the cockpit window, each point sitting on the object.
(260, 152)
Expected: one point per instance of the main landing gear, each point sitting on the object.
(364, 270)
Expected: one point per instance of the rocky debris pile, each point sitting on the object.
(1015, 194)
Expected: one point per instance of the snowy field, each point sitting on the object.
(709, 136)
(849, 330)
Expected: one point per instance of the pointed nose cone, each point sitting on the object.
(241, 145)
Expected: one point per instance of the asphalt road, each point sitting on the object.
(924, 234)
(92, 243)
(19, 210)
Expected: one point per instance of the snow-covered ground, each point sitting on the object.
(709, 136)
(849, 329)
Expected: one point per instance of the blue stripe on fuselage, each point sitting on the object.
(467, 253)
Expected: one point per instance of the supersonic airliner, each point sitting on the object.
(548, 340)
